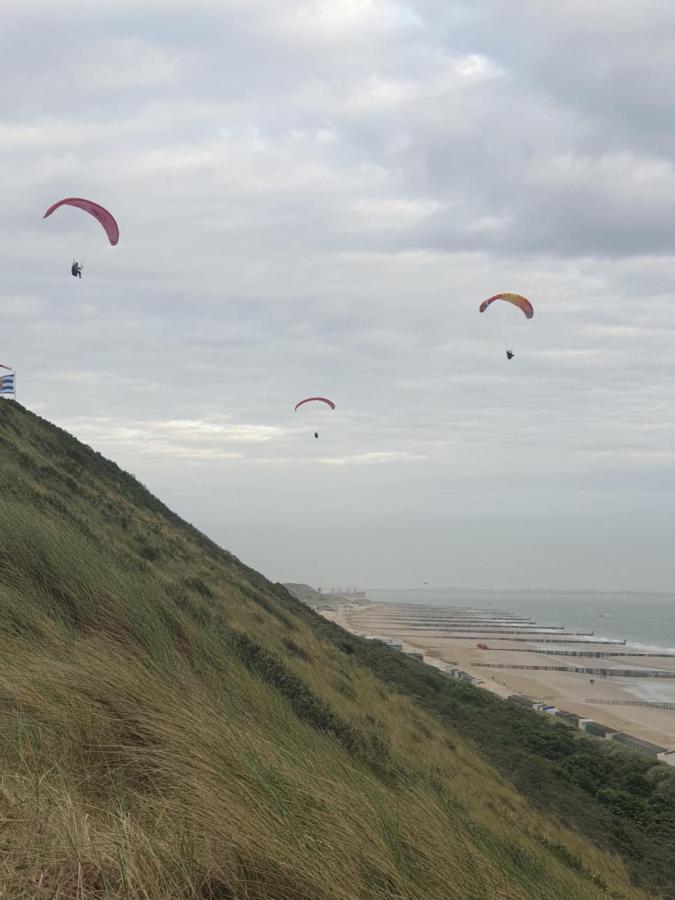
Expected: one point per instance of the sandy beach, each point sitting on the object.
(451, 637)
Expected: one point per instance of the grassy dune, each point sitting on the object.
(174, 726)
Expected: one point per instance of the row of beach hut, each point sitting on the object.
(590, 726)
(596, 729)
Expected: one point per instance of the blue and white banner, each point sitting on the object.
(7, 385)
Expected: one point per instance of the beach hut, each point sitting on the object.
(461, 676)
(568, 718)
(645, 748)
(393, 643)
(520, 701)
(601, 731)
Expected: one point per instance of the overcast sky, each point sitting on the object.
(313, 198)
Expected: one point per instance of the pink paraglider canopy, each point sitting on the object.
(94, 209)
(311, 399)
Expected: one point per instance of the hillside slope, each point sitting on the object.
(306, 594)
(175, 726)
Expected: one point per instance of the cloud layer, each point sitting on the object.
(314, 197)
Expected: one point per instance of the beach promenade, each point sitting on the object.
(606, 681)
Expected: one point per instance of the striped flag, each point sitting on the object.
(7, 385)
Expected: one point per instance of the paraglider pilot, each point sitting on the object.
(510, 354)
(76, 269)
(316, 434)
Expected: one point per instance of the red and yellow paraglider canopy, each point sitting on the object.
(518, 300)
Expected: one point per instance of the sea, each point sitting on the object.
(645, 620)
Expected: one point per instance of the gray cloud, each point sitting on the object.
(313, 199)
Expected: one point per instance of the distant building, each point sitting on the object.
(349, 594)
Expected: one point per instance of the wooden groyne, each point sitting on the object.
(584, 670)
(651, 704)
(446, 629)
(512, 620)
(466, 626)
(597, 653)
(540, 640)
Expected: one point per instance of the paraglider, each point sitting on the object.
(315, 400)
(99, 212)
(517, 299)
